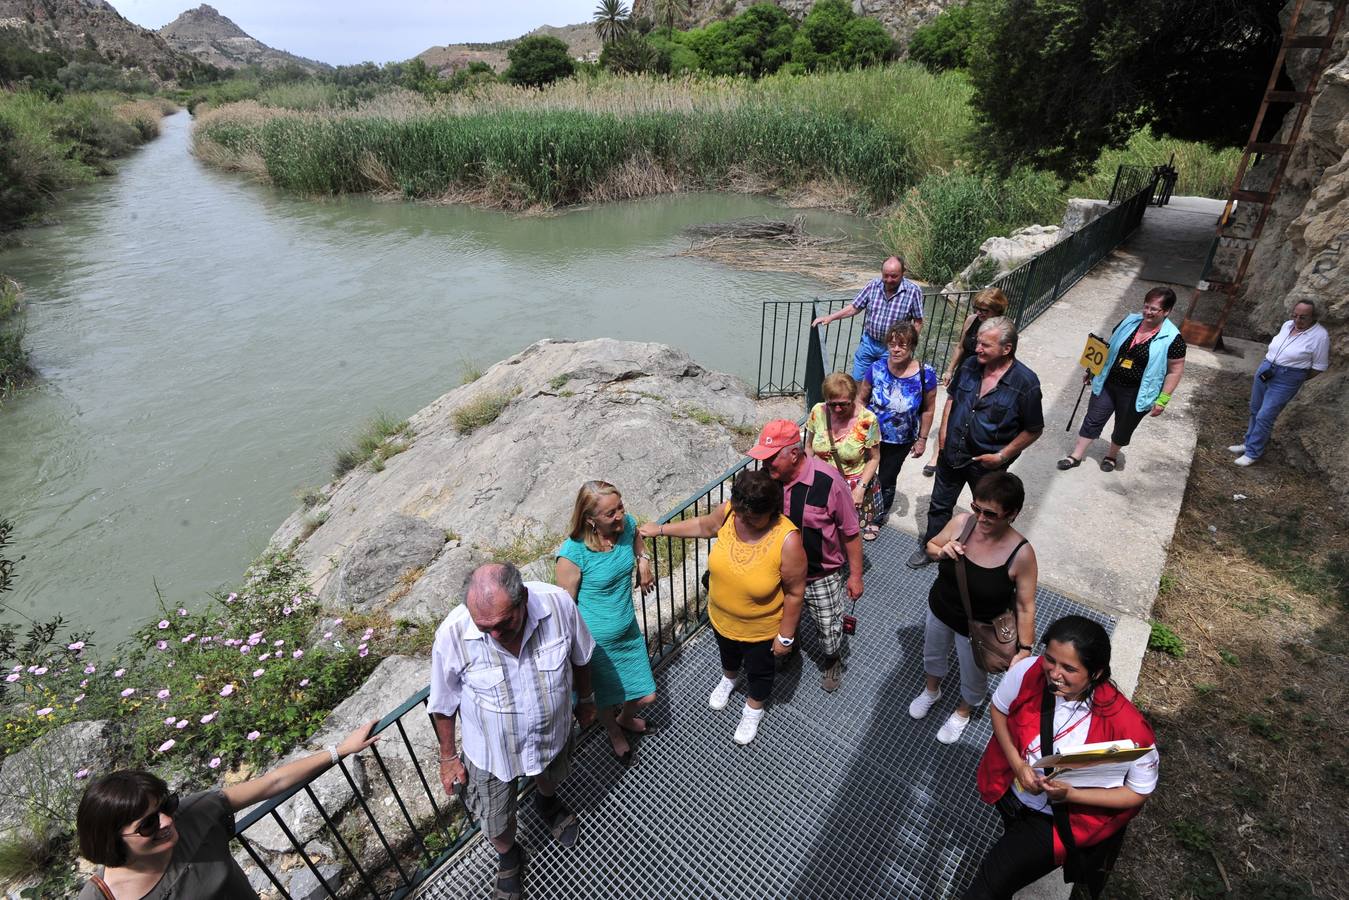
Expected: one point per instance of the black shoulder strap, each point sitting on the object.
(1011, 556)
(1061, 823)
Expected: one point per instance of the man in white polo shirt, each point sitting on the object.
(505, 663)
(1298, 353)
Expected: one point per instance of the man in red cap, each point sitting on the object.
(817, 500)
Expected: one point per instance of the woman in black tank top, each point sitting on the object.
(1001, 573)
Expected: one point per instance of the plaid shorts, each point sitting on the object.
(492, 802)
(824, 599)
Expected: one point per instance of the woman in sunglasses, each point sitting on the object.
(1001, 574)
(149, 845)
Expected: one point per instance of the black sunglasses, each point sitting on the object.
(983, 512)
(149, 826)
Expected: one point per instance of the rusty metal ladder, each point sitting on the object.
(1208, 334)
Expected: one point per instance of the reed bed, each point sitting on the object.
(609, 138)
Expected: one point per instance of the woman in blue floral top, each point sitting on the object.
(902, 392)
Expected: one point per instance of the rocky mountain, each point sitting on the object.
(900, 17)
(93, 29)
(206, 34)
(582, 40)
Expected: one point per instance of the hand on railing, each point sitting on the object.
(359, 739)
(453, 776)
(646, 580)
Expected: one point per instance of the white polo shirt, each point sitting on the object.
(1308, 349)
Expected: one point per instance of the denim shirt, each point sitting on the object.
(986, 424)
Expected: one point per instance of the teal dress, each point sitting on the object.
(620, 669)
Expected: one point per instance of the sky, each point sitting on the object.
(352, 31)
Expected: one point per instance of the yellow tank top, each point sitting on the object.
(745, 582)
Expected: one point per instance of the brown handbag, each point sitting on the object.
(993, 643)
(102, 887)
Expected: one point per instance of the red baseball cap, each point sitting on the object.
(778, 434)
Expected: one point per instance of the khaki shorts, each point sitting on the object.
(492, 802)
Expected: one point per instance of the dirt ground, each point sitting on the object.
(1251, 719)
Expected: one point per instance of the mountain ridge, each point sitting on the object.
(205, 33)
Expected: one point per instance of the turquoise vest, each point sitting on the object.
(1155, 373)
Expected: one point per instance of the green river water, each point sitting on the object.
(206, 343)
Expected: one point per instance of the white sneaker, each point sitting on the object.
(923, 703)
(1237, 448)
(1244, 460)
(953, 728)
(721, 693)
(749, 725)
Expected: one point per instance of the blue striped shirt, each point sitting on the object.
(883, 312)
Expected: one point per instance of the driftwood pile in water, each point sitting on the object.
(768, 245)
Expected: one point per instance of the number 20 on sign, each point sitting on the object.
(1094, 354)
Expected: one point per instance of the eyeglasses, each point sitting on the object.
(984, 512)
(983, 309)
(838, 404)
(149, 826)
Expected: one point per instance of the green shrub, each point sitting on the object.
(1164, 640)
(375, 437)
(944, 43)
(14, 367)
(539, 59)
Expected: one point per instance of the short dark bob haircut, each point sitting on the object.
(1091, 643)
(111, 804)
(754, 492)
(1163, 295)
(1002, 488)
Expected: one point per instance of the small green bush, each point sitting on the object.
(944, 43)
(482, 411)
(1164, 640)
(1193, 836)
(539, 59)
(375, 438)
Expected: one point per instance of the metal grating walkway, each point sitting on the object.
(840, 796)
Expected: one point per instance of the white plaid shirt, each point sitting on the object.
(883, 312)
(514, 712)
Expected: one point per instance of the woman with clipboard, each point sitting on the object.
(1055, 703)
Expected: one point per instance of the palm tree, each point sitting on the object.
(668, 12)
(611, 20)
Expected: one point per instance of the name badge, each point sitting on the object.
(1126, 363)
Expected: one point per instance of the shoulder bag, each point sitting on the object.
(865, 509)
(102, 887)
(993, 643)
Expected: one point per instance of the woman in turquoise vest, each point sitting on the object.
(1147, 358)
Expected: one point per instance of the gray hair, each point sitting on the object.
(1003, 327)
(899, 259)
(489, 578)
(1315, 312)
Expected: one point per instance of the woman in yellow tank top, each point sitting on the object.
(757, 579)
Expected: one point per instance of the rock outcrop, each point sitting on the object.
(999, 255)
(48, 774)
(206, 34)
(900, 17)
(67, 26)
(494, 467)
(1303, 252)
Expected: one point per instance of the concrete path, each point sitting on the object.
(1101, 538)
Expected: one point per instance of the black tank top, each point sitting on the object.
(971, 334)
(992, 592)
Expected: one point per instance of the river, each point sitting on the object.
(206, 343)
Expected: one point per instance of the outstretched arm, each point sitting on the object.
(282, 778)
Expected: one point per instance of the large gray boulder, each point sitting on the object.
(50, 774)
(643, 416)
(999, 255)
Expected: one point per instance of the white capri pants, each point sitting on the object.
(937, 640)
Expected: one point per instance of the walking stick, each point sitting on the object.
(1069, 426)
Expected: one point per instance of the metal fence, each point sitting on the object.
(1129, 180)
(786, 336)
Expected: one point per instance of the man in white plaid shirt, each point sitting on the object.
(887, 300)
(505, 662)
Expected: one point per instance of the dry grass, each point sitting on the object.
(1255, 771)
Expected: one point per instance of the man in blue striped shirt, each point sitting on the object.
(888, 300)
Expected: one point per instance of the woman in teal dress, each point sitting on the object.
(595, 565)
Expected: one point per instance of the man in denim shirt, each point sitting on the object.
(992, 413)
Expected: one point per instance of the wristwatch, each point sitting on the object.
(786, 641)
(1024, 647)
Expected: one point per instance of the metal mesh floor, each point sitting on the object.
(840, 796)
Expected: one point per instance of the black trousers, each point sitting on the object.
(757, 657)
(892, 460)
(1023, 855)
(1119, 402)
(946, 488)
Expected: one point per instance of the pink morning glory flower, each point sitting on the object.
(163, 623)
(13, 677)
(209, 718)
(89, 670)
(78, 645)
(364, 652)
(327, 635)
(227, 690)
(163, 695)
(278, 642)
(84, 683)
(253, 735)
(336, 622)
(45, 711)
(190, 638)
(182, 723)
(40, 670)
(245, 649)
(166, 746)
(231, 598)
(214, 763)
(257, 673)
(128, 692)
(297, 654)
(264, 656)
(119, 673)
(181, 611)
(304, 682)
(161, 645)
(82, 774)
(170, 720)
(78, 698)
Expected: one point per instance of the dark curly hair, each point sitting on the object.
(754, 492)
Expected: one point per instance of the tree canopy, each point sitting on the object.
(539, 59)
(1057, 81)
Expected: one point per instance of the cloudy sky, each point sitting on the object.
(350, 31)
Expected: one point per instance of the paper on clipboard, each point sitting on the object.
(1105, 764)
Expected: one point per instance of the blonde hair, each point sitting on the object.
(587, 498)
(840, 383)
(994, 298)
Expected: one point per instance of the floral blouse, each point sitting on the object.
(898, 402)
(852, 456)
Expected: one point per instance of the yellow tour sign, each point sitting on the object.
(1094, 354)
